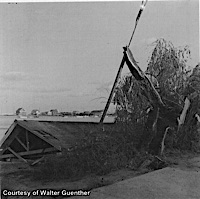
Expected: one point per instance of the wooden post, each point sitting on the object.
(27, 140)
(17, 155)
(22, 143)
(112, 91)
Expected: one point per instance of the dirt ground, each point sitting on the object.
(13, 178)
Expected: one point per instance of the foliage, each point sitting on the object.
(169, 66)
(128, 93)
(171, 75)
(193, 82)
(189, 136)
(167, 69)
(98, 153)
(101, 152)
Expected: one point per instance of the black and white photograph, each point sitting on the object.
(99, 99)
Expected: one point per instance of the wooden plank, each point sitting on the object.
(16, 154)
(37, 161)
(113, 89)
(8, 133)
(38, 151)
(8, 142)
(40, 136)
(27, 141)
(140, 75)
(21, 143)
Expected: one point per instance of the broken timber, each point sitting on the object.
(137, 73)
(140, 75)
(30, 139)
(153, 136)
(113, 89)
(161, 115)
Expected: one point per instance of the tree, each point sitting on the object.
(20, 112)
(169, 66)
(169, 74)
(188, 135)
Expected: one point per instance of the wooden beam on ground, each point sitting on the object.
(37, 161)
(5, 145)
(16, 154)
(38, 151)
(21, 143)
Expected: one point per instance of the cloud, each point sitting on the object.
(102, 86)
(30, 88)
(83, 91)
(29, 83)
(95, 83)
(149, 41)
(105, 87)
(53, 90)
(45, 90)
(81, 94)
(16, 76)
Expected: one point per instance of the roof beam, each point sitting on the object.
(27, 140)
(21, 143)
(39, 135)
(38, 151)
(17, 155)
(8, 142)
(8, 132)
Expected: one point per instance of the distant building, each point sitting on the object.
(44, 113)
(66, 114)
(35, 112)
(75, 113)
(20, 112)
(86, 113)
(96, 113)
(54, 112)
(111, 114)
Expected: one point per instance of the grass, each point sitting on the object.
(98, 153)
(101, 158)
(101, 153)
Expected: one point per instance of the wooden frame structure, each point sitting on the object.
(26, 139)
(16, 143)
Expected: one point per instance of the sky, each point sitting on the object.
(65, 55)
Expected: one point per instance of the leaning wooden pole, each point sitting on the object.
(144, 2)
(113, 89)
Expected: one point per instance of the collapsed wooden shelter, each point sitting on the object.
(26, 139)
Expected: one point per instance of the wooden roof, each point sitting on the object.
(61, 135)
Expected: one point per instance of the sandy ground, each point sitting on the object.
(12, 177)
(166, 183)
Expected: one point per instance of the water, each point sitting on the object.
(5, 122)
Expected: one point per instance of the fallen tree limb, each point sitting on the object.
(198, 117)
(153, 136)
(140, 76)
(181, 120)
